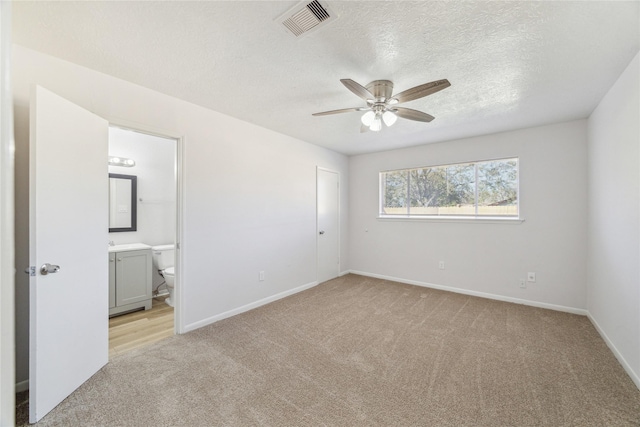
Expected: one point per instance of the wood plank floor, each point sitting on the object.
(140, 328)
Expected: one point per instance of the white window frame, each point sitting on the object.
(445, 217)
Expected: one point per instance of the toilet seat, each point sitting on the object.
(169, 271)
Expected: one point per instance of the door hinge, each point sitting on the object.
(31, 270)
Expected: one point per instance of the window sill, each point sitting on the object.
(458, 219)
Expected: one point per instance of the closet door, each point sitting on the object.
(328, 222)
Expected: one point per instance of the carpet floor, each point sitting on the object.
(357, 351)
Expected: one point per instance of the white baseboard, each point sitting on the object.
(555, 307)
(344, 273)
(196, 325)
(634, 376)
(22, 386)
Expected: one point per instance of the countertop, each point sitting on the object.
(128, 247)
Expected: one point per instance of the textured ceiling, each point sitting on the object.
(510, 64)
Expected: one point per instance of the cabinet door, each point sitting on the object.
(112, 280)
(133, 277)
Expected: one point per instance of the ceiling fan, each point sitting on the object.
(381, 104)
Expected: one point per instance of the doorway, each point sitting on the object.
(67, 207)
(328, 222)
(143, 218)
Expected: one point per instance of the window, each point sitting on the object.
(477, 189)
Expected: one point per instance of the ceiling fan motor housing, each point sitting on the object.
(381, 89)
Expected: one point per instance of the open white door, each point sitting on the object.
(68, 220)
(328, 213)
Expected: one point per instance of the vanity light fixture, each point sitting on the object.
(121, 161)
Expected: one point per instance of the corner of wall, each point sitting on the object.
(613, 248)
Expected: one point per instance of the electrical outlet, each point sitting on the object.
(531, 276)
(261, 276)
(441, 265)
(523, 283)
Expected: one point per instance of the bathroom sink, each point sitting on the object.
(128, 247)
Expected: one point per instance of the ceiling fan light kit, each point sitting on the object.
(367, 118)
(381, 103)
(389, 117)
(376, 124)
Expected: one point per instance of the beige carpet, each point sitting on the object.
(357, 351)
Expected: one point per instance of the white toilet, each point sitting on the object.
(163, 258)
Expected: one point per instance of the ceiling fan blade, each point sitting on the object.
(344, 110)
(408, 113)
(421, 91)
(358, 89)
(364, 128)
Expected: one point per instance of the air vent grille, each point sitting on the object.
(319, 11)
(305, 17)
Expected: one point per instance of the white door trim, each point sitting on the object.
(180, 280)
(318, 168)
(7, 248)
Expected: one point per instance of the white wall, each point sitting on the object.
(485, 257)
(21, 121)
(155, 170)
(249, 193)
(614, 218)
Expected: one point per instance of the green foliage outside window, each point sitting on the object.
(469, 189)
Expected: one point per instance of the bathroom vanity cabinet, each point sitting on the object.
(130, 268)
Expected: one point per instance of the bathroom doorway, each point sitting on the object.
(144, 218)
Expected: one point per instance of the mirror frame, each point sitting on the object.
(134, 204)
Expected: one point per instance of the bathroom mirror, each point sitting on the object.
(122, 202)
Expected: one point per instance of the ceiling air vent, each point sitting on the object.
(306, 17)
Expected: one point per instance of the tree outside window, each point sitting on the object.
(477, 189)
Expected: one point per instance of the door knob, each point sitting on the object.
(322, 232)
(48, 268)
